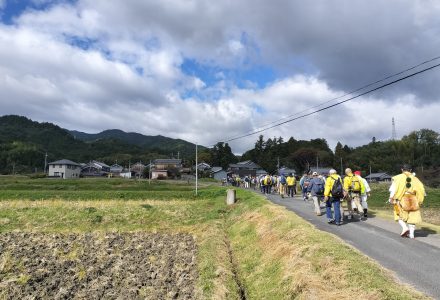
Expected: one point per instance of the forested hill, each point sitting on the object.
(23, 144)
(145, 141)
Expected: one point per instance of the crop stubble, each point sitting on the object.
(97, 266)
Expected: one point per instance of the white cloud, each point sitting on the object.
(94, 64)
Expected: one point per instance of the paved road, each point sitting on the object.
(380, 240)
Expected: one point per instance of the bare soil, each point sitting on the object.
(97, 266)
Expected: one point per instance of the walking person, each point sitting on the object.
(304, 184)
(407, 193)
(282, 185)
(333, 193)
(291, 184)
(353, 188)
(267, 184)
(316, 188)
(247, 181)
(365, 193)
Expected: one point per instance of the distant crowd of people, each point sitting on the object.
(285, 185)
(349, 194)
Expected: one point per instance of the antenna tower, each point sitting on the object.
(394, 133)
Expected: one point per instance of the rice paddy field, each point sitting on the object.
(127, 239)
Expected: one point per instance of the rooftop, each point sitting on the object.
(64, 162)
(216, 169)
(171, 161)
(375, 175)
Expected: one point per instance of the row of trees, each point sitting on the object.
(421, 149)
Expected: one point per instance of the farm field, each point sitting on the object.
(120, 238)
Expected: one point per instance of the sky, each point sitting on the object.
(206, 71)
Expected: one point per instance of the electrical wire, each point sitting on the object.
(346, 94)
(333, 105)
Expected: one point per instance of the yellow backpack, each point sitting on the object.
(355, 184)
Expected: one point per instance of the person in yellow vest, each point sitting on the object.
(353, 188)
(291, 183)
(407, 193)
(267, 181)
(333, 192)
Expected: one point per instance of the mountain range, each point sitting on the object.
(24, 143)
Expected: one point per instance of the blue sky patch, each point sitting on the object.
(14, 8)
(258, 75)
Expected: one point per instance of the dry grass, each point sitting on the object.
(283, 257)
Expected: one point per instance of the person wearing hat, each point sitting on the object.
(407, 193)
(316, 188)
(304, 184)
(333, 184)
(365, 193)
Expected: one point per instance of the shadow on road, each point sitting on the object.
(424, 232)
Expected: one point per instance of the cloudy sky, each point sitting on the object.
(206, 70)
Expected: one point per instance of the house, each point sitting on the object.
(95, 169)
(218, 173)
(245, 168)
(286, 171)
(164, 168)
(159, 174)
(138, 169)
(65, 169)
(321, 171)
(116, 169)
(261, 172)
(203, 167)
(379, 177)
(165, 164)
(127, 174)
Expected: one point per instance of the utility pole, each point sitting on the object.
(278, 165)
(317, 163)
(394, 132)
(45, 162)
(370, 172)
(197, 170)
(149, 173)
(342, 169)
(178, 154)
(129, 167)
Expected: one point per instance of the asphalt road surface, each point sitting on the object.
(415, 262)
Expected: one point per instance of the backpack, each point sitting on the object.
(306, 183)
(355, 184)
(320, 188)
(337, 189)
(267, 180)
(283, 180)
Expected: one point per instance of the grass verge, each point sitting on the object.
(272, 252)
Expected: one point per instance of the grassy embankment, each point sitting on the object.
(270, 252)
(430, 208)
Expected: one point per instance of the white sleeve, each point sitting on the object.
(367, 186)
(392, 190)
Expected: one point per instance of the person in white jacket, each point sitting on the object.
(366, 193)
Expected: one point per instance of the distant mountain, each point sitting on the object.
(157, 142)
(24, 143)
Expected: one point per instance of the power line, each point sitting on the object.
(333, 105)
(348, 93)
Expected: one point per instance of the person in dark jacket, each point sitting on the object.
(316, 189)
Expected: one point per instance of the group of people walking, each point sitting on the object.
(407, 193)
(349, 194)
(353, 190)
(284, 184)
